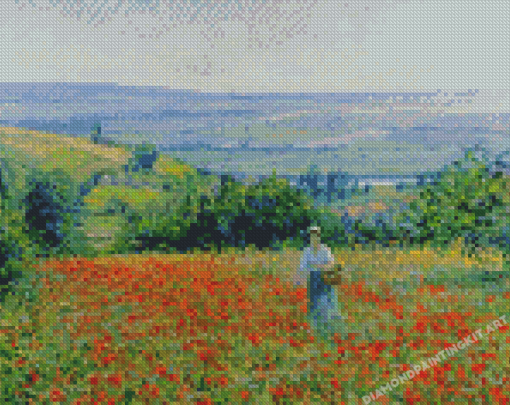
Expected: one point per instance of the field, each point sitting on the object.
(231, 328)
(177, 176)
(99, 318)
(78, 156)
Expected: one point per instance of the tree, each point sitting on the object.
(274, 211)
(310, 181)
(143, 157)
(466, 201)
(95, 135)
(165, 221)
(52, 209)
(44, 215)
(13, 241)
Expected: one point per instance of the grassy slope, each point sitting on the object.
(81, 158)
(75, 155)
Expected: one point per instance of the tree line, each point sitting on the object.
(52, 214)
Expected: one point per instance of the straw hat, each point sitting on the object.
(315, 229)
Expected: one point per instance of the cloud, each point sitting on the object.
(259, 46)
(266, 21)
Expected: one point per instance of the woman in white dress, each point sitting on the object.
(323, 308)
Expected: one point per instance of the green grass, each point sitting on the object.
(78, 157)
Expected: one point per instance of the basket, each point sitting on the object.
(333, 277)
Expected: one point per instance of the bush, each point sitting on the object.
(44, 215)
(165, 220)
(52, 208)
(13, 238)
(263, 214)
(467, 201)
(187, 216)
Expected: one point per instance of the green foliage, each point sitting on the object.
(180, 209)
(334, 231)
(468, 201)
(13, 237)
(264, 213)
(171, 213)
(230, 202)
(165, 209)
(290, 204)
(51, 197)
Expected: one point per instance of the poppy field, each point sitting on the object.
(232, 328)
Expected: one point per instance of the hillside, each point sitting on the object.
(76, 156)
(93, 180)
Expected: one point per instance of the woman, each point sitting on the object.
(322, 299)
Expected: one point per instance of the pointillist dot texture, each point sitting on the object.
(279, 18)
(254, 202)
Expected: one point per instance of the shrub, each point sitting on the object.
(52, 207)
(13, 240)
(467, 201)
(263, 214)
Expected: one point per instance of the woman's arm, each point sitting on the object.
(327, 267)
(330, 271)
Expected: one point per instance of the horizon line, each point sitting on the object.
(462, 92)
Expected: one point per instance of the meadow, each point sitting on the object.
(230, 328)
(129, 278)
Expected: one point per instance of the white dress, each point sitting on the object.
(323, 308)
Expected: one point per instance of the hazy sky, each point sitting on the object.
(294, 45)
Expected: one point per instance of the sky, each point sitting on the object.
(262, 46)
